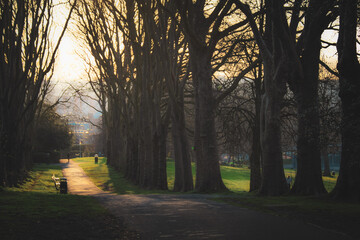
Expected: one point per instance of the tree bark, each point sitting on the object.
(276, 71)
(325, 157)
(273, 180)
(183, 172)
(208, 176)
(255, 158)
(348, 183)
(308, 179)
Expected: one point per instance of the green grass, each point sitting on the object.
(321, 211)
(108, 179)
(36, 211)
(236, 179)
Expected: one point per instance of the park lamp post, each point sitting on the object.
(80, 148)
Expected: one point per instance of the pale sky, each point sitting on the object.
(70, 68)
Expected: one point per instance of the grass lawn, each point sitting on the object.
(236, 179)
(35, 210)
(320, 211)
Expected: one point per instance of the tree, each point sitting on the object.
(330, 119)
(129, 81)
(171, 46)
(51, 131)
(348, 183)
(276, 72)
(204, 27)
(319, 14)
(239, 114)
(26, 63)
(295, 59)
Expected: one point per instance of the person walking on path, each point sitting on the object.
(68, 157)
(289, 180)
(96, 158)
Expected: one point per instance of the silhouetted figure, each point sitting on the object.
(68, 157)
(289, 180)
(96, 158)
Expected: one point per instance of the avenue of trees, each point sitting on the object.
(194, 70)
(156, 60)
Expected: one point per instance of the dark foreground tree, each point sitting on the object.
(205, 26)
(348, 183)
(294, 58)
(318, 15)
(197, 28)
(26, 63)
(276, 71)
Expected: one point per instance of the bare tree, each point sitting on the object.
(275, 74)
(204, 26)
(27, 61)
(296, 61)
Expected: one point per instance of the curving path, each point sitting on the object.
(192, 216)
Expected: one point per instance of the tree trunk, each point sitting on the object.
(273, 180)
(308, 179)
(208, 176)
(255, 173)
(162, 178)
(146, 160)
(348, 183)
(325, 157)
(276, 72)
(183, 172)
(255, 158)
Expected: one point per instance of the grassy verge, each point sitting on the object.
(324, 212)
(36, 211)
(236, 179)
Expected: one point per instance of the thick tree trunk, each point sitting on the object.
(159, 148)
(255, 158)
(308, 179)
(208, 176)
(348, 183)
(162, 178)
(156, 159)
(183, 172)
(132, 172)
(325, 157)
(146, 160)
(13, 150)
(273, 180)
(255, 173)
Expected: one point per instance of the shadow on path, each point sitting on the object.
(192, 216)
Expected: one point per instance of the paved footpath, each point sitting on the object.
(193, 216)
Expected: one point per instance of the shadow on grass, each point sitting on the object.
(121, 185)
(33, 215)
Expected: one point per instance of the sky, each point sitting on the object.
(70, 67)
